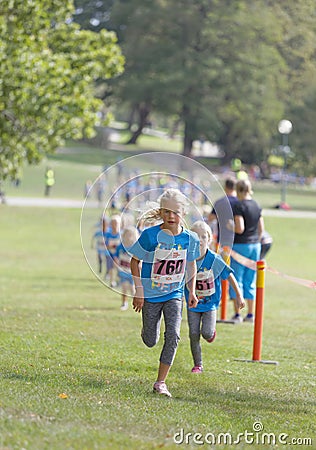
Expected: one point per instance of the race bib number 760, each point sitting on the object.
(168, 266)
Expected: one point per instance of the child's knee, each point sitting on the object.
(149, 341)
(208, 335)
(172, 339)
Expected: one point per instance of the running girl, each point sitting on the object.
(211, 269)
(161, 257)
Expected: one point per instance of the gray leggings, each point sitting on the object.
(152, 314)
(208, 321)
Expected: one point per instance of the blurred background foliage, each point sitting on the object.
(222, 71)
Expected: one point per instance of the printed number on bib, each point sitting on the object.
(205, 283)
(168, 266)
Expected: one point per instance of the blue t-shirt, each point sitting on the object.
(101, 242)
(164, 259)
(210, 271)
(124, 263)
(112, 241)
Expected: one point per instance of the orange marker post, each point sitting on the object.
(257, 340)
(225, 286)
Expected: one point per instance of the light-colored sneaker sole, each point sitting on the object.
(163, 394)
(249, 320)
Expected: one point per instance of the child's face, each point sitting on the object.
(129, 239)
(115, 225)
(171, 213)
(204, 240)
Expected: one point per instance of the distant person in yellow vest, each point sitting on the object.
(242, 175)
(236, 166)
(49, 180)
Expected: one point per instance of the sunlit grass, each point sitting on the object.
(62, 332)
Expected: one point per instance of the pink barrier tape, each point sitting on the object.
(244, 261)
(253, 265)
(301, 281)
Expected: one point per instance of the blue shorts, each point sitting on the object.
(245, 277)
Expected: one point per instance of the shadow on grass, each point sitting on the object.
(117, 382)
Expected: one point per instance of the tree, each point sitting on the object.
(212, 63)
(224, 67)
(48, 67)
(298, 48)
(302, 139)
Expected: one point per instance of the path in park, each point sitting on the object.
(69, 203)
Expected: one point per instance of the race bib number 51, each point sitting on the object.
(205, 283)
(168, 266)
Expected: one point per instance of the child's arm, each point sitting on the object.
(239, 297)
(191, 277)
(138, 300)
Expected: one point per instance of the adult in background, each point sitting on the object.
(49, 180)
(249, 227)
(221, 214)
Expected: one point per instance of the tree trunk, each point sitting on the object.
(143, 113)
(174, 128)
(187, 141)
(131, 118)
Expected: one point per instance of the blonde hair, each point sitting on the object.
(153, 215)
(115, 218)
(127, 220)
(244, 187)
(201, 225)
(129, 236)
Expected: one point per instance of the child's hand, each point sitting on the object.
(240, 302)
(193, 301)
(138, 300)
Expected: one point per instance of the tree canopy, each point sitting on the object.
(48, 67)
(229, 70)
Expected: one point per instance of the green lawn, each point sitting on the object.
(78, 163)
(62, 332)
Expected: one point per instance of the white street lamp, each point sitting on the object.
(285, 127)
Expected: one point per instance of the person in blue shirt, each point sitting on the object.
(112, 240)
(123, 261)
(211, 269)
(248, 226)
(161, 258)
(99, 238)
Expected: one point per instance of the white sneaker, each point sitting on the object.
(249, 318)
(124, 307)
(160, 387)
(237, 318)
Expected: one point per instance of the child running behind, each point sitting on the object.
(123, 261)
(112, 240)
(99, 237)
(211, 268)
(161, 257)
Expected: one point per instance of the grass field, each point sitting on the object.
(74, 373)
(62, 332)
